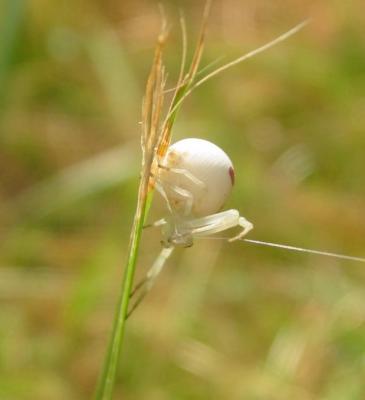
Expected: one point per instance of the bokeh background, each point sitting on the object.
(226, 320)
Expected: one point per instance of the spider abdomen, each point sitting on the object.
(199, 172)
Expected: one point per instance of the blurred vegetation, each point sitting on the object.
(226, 321)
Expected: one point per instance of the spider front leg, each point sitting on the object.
(184, 172)
(166, 185)
(247, 227)
(146, 284)
(206, 226)
(185, 196)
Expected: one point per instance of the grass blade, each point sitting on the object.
(151, 138)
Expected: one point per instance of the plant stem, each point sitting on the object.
(107, 379)
(151, 139)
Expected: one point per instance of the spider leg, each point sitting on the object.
(246, 225)
(185, 172)
(162, 192)
(186, 196)
(156, 224)
(219, 222)
(146, 284)
(170, 227)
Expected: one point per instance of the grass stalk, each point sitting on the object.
(150, 141)
(106, 385)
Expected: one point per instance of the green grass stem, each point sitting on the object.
(107, 380)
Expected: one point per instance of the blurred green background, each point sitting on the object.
(226, 320)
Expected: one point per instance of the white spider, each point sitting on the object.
(195, 177)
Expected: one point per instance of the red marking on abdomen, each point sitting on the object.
(231, 174)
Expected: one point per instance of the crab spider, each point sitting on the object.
(195, 178)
